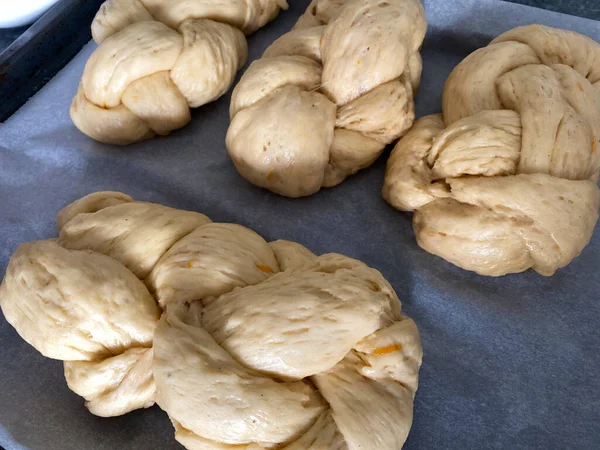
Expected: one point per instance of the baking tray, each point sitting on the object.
(42, 50)
(510, 363)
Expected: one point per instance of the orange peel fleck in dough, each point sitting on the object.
(264, 268)
(387, 349)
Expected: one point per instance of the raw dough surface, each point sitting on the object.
(156, 60)
(327, 97)
(246, 344)
(506, 179)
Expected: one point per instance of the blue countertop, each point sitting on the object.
(589, 9)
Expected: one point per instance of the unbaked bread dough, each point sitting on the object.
(89, 310)
(244, 343)
(506, 179)
(318, 353)
(155, 61)
(327, 97)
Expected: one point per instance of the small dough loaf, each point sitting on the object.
(316, 356)
(89, 310)
(506, 179)
(244, 343)
(327, 97)
(155, 61)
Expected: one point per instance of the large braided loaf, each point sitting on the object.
(260, 345)
(506, 179)
(157, 59)
(326, 98)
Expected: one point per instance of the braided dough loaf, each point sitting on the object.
(260, 345)
(157, 59)
(326, 98)
(506, 179)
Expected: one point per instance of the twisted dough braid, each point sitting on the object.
(243, 343)
(317, 356)
(506, 179)
(327, 97)
(157, 59)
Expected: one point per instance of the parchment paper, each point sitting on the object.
(510, 363)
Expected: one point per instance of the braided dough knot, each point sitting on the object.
(155, 61)
(244, 343)
(506, 179)
(326, 98)
(317, 356)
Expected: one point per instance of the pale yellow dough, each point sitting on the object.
(327, 97)
(87, 309)
(245, 344)
(316, 356)
(156, 60)
(76, 304)
(505, 180)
